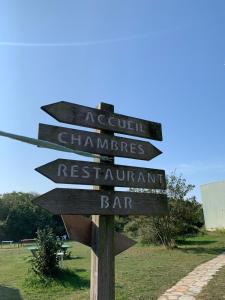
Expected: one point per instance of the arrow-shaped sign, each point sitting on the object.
(79, 229)
(77, 202)
(75, 114)
(97, 143)
(90, 173)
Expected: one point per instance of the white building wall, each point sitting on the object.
(213, 200)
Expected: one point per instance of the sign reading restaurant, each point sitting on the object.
(90, 173)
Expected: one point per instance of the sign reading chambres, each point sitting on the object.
(97, 143)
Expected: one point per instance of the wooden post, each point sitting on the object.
(99, 233)
(102, 253)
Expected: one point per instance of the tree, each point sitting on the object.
(185, 216)
(20, 218)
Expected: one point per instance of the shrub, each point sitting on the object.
(45, 261)
(185, 216)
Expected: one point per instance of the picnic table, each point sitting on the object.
(6, 242)
(26, 241)
(65, 247)
(60, 254)
(33, 249)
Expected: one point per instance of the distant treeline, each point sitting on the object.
(20, 218)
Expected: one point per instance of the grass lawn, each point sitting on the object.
(215, 289)
(142, 272)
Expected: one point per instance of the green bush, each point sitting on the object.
(185, 216)
(132, 227)
(45, 262)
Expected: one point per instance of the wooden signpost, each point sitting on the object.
(103, 119)
(97, 143)
(62, 201)
(90, 173)
(103, 202)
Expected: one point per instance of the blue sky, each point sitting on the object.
(157, 60)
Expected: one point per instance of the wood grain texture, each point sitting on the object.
(75, 114)
(97, 143)
(89, 173)
(103, 241)
(77, 202)
(102, 259)
(79, 229)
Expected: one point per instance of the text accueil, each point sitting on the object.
(114, 121)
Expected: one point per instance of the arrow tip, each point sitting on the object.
(44, 199)
(47, 108)
(155, 152)
(38, 169)
(122, 243)
(53, 108)
(35, 201)
(159, 151)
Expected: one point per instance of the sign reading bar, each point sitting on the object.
(102, 202)
(75, 114)
(82, 172)
(97, 143)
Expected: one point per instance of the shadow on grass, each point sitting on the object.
(9, 293)
(193, 243)
(203, 250)
(74, 257)
(69, 278)
(80, 270)
(63, 278)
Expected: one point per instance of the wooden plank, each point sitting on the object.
(75, 114)
(77, 202)
(122, 243)
(79, 229)
(102, 259)
(103, 241)
(97, 143)
(90, 173)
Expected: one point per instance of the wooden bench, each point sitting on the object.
(27, 241)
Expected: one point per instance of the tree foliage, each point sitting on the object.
(20, 218)
(185, 216)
